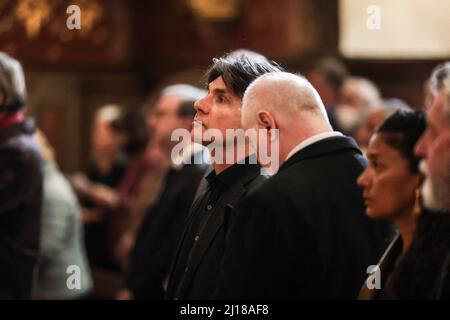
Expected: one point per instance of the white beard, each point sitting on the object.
(435, 195)
(428, 195)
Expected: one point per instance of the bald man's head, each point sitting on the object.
(288, 97)
(288, 106)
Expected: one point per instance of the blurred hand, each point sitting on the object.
(80, 183)
(92, 215)
(104, 195)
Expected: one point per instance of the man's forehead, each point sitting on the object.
(435, 113)
(168, 102)
(217, 84)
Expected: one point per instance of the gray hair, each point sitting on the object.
(392, 105)
(240, 54)
(187, 94)
(184, 91)
(108, 113)
(12, 84)
(440, 80)
(367, 90)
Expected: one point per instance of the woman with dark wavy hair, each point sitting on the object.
(391, 185)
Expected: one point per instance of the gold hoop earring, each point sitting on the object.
(417, 205)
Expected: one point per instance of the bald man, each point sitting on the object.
(303, 233)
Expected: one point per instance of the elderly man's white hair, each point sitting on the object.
(292, 94)
(185, 92)
(12, 83)
(367, 90)
(440, 80)
(108, 113)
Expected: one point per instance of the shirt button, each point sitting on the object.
(209, 207)
(196, 238)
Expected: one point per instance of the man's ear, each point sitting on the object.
(265, 120)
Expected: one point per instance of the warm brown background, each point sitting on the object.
(133, 47)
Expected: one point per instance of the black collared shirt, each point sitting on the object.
(218, 184)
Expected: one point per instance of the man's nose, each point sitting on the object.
(201, 106)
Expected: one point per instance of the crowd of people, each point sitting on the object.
(357, 208)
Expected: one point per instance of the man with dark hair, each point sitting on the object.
(202, 243)
(20, 186)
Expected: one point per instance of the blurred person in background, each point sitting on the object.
(358, 97)
(391, 190)
(107, 168)
(124, 205)
(328, 76)
(120, 203)
(375, 118)
(158, 234)
(61, 246)
(20, 186)
(108, 160)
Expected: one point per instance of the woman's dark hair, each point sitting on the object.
(401, 131)
(238, 73)
(134, 126)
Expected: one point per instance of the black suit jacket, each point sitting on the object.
(304, 232)
(199, 280)
(159, 232)
(20, 209)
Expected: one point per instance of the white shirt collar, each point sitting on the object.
(311, 140)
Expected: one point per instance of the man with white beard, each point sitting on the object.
(424, 272)
(434, 146)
